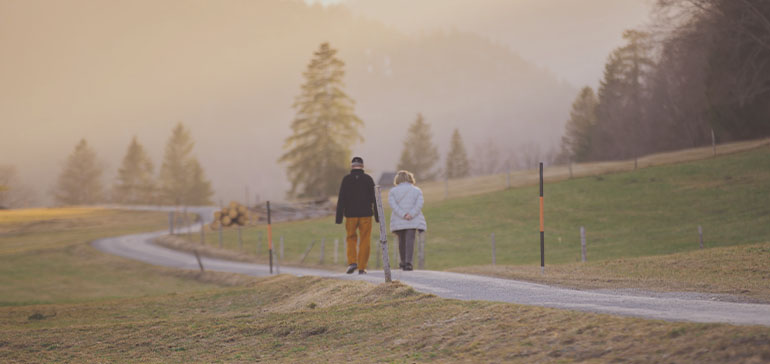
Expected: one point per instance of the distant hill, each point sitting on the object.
(231, 70)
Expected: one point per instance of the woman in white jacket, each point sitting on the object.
(406, 201)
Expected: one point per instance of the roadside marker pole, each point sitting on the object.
(383, 234)
(269, 237)
(542, 226)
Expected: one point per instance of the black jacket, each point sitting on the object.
(356, 198)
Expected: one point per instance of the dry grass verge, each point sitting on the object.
(286, 319)
(740, 271)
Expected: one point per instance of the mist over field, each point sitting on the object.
(502, 72)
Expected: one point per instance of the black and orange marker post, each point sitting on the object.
(542, 226)
(269, 237)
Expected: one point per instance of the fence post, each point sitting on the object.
(220, 235)
(309, 248)
(713, 142)
(281, 255)
(379, 258)
(323, 248)
(421, 251)
(198, 257)
(171, 222)
(240, 239)
(336, 249)
(383, 234)
(494, 253)
(583, 243)
(700, 235)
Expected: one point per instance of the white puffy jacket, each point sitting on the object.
(406, 198)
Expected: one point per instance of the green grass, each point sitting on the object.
(650, 211)
(300, 320)
(45, 257)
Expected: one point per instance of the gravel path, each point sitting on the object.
(674, 307)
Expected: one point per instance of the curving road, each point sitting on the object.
(665, 306)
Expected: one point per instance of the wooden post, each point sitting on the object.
(281, 247)
(323, 248)
(421, 251)
(198, 257)
(700, 235)
(542, 225)
(240, 239)
(713, 142)
(220, 235)
(336, 249)
(383, 234)
(309, 248)
(269, 237)
(494, 254)
(171, 222)
(583, 243)
(379, 258)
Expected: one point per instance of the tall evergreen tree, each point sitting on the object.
(457, 160)
(135, 182)
(576, 142)
(620, 131)
(80, 181)
(324, 127)
(182, 179)
(419, 155)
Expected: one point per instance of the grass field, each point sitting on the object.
(44, 257)
(293, 320)
(739, 271)
(650, 211)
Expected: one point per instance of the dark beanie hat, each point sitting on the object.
(357, 160)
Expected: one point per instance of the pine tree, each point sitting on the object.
(457, 160)
(80, 181)
(182, 179)
(619, 131)
(576, 142)
(323, 129)
(199, 192)
(135, 182)
(419, 155)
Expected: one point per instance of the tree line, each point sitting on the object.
(325, 126)
(181, 180)
(702, 72)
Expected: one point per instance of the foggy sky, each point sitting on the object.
(107, 71)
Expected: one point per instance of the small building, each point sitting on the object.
(386, 180)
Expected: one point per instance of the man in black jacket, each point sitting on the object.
(356, 202)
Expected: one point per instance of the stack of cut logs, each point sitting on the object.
(233, 214)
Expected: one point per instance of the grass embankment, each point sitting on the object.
(737, 271)
(45, 257)
(650, 211)
(293, 320)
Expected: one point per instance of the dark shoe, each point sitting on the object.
(352, 268)
(362, 271)
(408, 266)
(401, 265)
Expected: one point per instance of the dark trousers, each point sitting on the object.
(406, 244)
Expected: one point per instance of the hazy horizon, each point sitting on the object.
(230, 72)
